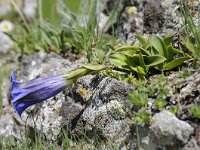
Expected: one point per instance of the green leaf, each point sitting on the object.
(141, 59)
(159, 45)
(130, 50)
(46, 38)
(195, 110)
(76, 73)
(126, 48)
(144, 42)
(94, 67)
(118, 60)
(155, 60)
(142, 70)
(174, 50)
(175, 63)
(135, 69)
(171, 51)
(133, 61)
(136, 64)
(168, 39)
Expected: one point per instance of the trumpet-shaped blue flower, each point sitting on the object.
(25, 94)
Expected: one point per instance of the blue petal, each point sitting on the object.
(25, 94)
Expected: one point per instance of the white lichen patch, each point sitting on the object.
(115, 108)
(47, 119)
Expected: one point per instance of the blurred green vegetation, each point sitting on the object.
(49, 9)
(4, 75)
(190, 36)
(73, 5)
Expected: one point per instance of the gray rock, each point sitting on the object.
(115, 108)
(45, 118)
(6, 43)
(185, 90)
(153, 16)
(104, 117)
(147, 17)
(8, 125)
(168, 130)
(191, 145)
(191, 86)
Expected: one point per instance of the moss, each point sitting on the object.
(115, 108)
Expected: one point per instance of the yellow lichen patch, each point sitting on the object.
(83, 91)
(132, 10)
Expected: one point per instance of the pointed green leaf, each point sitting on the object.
(76, 73)
(133, 61)
(170, 50)
(159, 45)
(134, 69)
(175, 51)
(144, 42)
(132, 49)
(130, 53)
(141, 61)
(118, 60)
(144, 51)
(175, 63)
(126, 48)
(155, 60)
(141, 70)
(94, 67)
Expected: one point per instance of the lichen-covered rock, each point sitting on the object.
(45, 117)
(115, 108)
(104, 116)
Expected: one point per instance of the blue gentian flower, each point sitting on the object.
(25, 94)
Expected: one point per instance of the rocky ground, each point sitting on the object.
(97, 106)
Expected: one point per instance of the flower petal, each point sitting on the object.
(25, 94)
